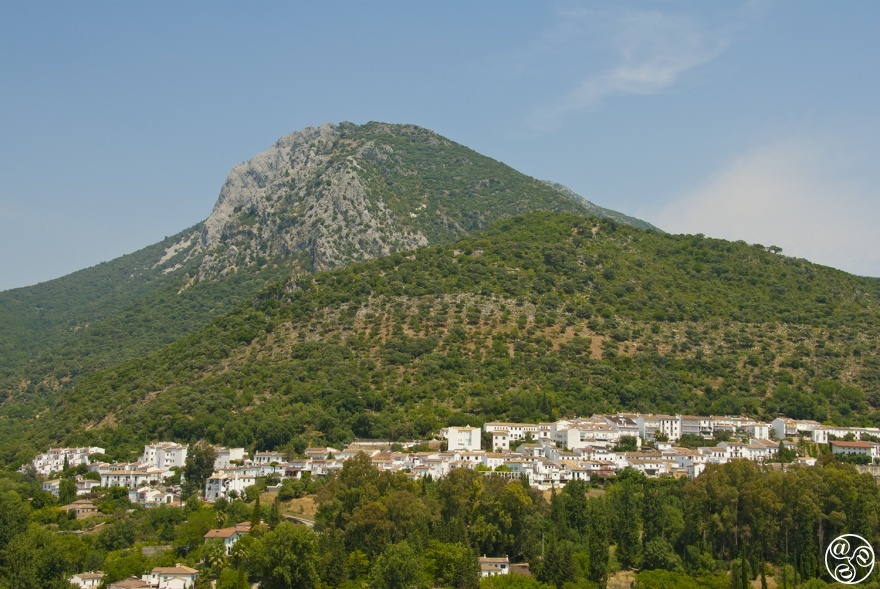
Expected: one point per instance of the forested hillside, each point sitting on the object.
(319, 198)
(539, 316)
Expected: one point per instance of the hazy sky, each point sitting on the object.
(758, 120)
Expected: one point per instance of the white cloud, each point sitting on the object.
(652, 51)
(802, 196)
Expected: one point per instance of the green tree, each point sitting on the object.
(67, 491)
(191, 533)
(199, 467)
(658, 553)
(626, 444)
(274, 514)
(598, 539)
(453, 565)
(125, 563)
(558, 566)
(285, 557)
(14, 517)
(625, 500)
(35, 560)
(118, 535)
(399, 567)
(232, 579)
(257, 513)
(214, 558)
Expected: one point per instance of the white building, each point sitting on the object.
(518, 431)
(670, 426)
(759, 431)
(868, 449)
(88, 580)
(587, 434)
(165, 455)
(462, 438)
(150, 497)
(500, 440)
(53, 459)
(229, 536)
(491, 566)
(222, 483)
(270, 457)
(785, 427)
(176, 577)
(225, 456)
(134, 478)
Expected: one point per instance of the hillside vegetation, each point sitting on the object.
(320, 198)
(539, 316)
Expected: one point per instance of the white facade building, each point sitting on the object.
(165, 455)
(221, 484)
(463, 438)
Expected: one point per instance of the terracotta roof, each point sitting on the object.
(178, 570)
(845, 444)
(130, 583)
(88, 576)
(223, 533)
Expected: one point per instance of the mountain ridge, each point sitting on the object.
(319, 198)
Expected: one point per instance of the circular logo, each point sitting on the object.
(849, 559)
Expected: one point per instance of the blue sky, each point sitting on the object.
(754, 120)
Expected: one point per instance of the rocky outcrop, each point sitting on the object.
(331, 195)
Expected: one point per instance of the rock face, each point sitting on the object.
(301, 199)
(339, 193)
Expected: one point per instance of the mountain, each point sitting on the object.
(320, 198)
(538, 316)
(595, 209)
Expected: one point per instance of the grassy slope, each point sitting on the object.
(538, 316)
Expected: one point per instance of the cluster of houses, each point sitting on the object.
(546, 454)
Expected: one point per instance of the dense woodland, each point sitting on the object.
(736, 523)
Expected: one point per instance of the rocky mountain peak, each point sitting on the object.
(327, 196)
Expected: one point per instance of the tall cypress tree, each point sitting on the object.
(257, 513)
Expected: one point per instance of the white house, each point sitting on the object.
(517, 431)
(500, 440)
(225, 456)
(670, 426)
(88, 580)
(462, 438)
(133, 479)
(165, 455)
(269, 457)
(758, 430)
(176, 577)
(229, 536)
(221, 483)
(150, 497)
(785, 427)
(869, 449)
(491, 566)
(53, 459)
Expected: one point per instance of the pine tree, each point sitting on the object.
(256, 515)
(274, 514)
